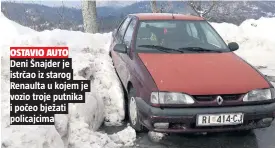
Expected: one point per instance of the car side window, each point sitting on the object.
(122, 29)
(129, 33)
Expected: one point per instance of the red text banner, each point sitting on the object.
(39, 52)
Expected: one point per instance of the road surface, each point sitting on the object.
(260, 138)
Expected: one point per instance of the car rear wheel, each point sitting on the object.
(133, 113)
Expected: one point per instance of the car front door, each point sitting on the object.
(118, 39)
(126, 60)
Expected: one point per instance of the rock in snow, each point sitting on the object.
(104, 103)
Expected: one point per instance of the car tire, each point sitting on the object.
(133, 113)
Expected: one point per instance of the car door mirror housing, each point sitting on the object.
(233, 46)
(121, 48)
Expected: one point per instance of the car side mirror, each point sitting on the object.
(120, 48)
(233, 46)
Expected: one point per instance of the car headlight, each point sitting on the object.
(259, 95)
(171, 98)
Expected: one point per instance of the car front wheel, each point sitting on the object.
(133, 113)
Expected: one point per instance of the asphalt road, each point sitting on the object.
(260, 138)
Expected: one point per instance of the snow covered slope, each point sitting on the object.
(91, 61)
(256, 40)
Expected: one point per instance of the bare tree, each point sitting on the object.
(89, 16)
(163, 8)
(200, 9)
(154, 6)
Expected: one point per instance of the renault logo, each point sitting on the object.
(219, 100)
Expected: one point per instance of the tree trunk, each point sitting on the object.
(154, 6)
(89, 16)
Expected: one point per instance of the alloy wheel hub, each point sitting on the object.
(133, 111)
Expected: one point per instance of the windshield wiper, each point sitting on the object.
(161, 48)
(198, 49)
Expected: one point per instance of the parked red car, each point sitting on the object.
(180, 76)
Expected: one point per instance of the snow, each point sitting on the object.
(256, 41)
(155, 136)
(89, 53)
(125, 137)
(104, 104)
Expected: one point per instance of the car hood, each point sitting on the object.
(202, 73)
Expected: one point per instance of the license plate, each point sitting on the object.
(219, 119)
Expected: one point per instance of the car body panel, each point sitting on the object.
(131, 70)
(165, 16)
(192, 73)
(183, 120)
(202, 74)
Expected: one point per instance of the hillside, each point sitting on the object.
(41, 17)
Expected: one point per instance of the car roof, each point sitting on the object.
(165, 16)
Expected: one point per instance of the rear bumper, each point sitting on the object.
(183, 120)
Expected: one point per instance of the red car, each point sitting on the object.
(180, 76)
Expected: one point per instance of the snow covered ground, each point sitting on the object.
(256, 40)
(104, 102)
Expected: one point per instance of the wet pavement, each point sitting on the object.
(260, 138)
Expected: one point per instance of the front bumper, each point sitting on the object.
(183, 120)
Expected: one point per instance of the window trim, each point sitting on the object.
(125, 28)
(134, 37)
(131, 48)
(119, 26)
(132, 32)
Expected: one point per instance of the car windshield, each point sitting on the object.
(178, 35)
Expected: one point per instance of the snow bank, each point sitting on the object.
(89, 53)
(256, 40)
(82, 137)
(104, 102)
(155, 136)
